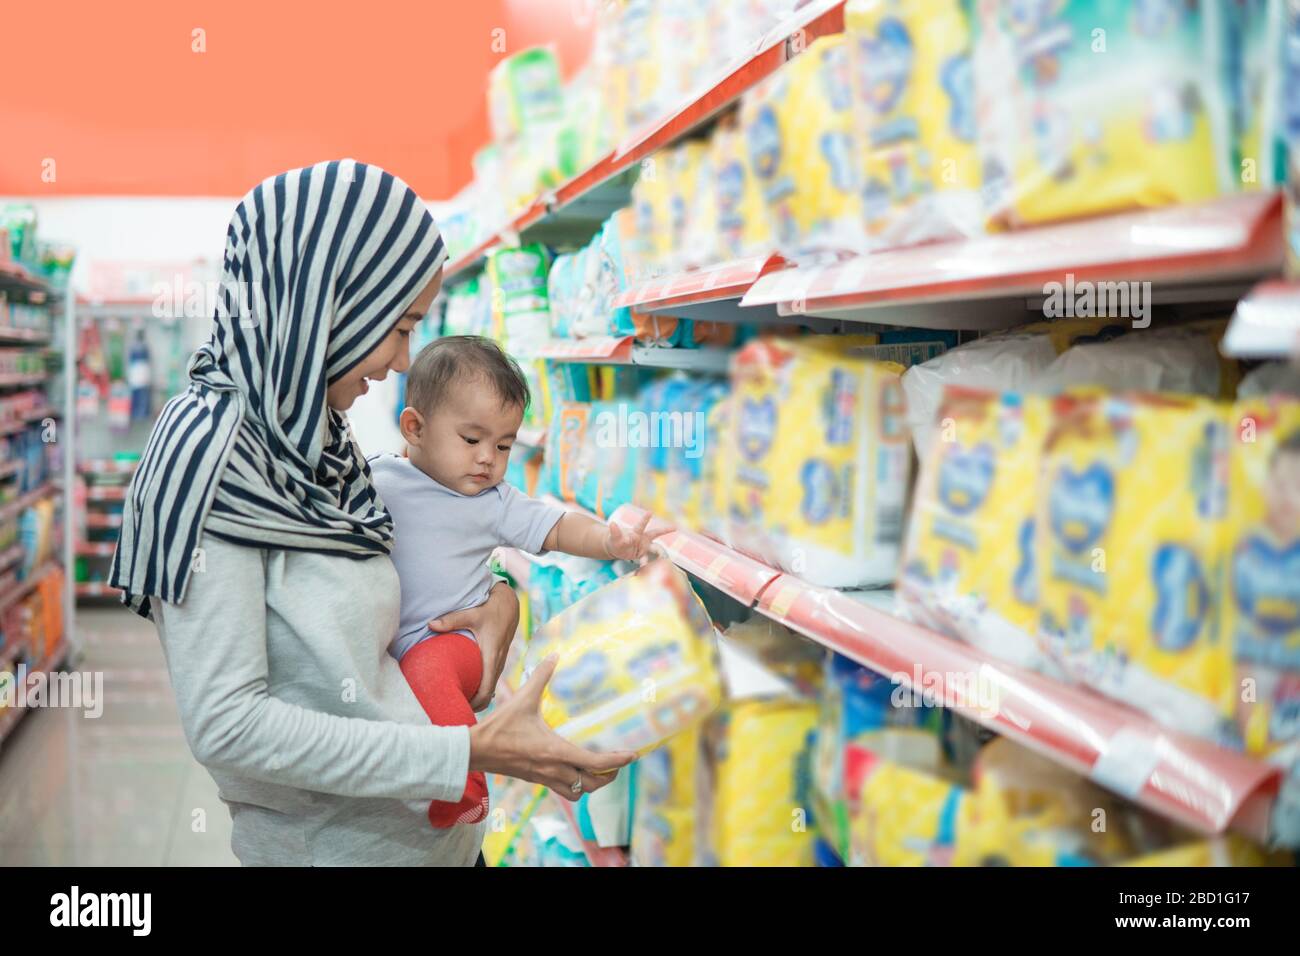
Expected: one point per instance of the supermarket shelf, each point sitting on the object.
(107, 466)
(9, 716)
(11, 556)
(711, 294)
(12, 427)
(108, 493)
(592, 195)
(1220, 247)
(95, 549)
(103, 521)
(1266, 323)
(624, 351)
(12, 336)
(25, 587)
(95, 589)
(13, 379)
(10, 468)
(16, 276)
(1188, 780)
(14, 508)
(608, 351)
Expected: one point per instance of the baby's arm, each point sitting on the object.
(589, 538)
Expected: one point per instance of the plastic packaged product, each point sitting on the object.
(1029, 811)
(663, 403)
(514, 801)
(1255, 55)
(761, 784)
(799, 132)
(1183, 360)
(968, 569)
(564, 473)
(717, 470)
(822, 459)
(907, 817)
(1091, 106)
(1261, 588)
(517, 280)
(558, 581)
(1007, 361)
(914, 105)
(636, 663)
(1226, 850)
(1130, 535)
(1270, 378)
(664, 806)
(605, 817)
(524, 90)
(688, 174)
(652, 215)
(855, 707)
(744, 228)
(608, 460)
(688, 435)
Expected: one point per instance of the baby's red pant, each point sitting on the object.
(444, 671)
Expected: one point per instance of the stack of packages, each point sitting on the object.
(1153, 533)
(584, 285)
(651, 56)
(636, 671)
(844, 766)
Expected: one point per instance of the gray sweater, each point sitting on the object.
(290, 700)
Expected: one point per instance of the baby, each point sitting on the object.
(465, 400)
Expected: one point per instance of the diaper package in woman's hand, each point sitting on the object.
(636, 662)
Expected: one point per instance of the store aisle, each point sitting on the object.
(118, 789)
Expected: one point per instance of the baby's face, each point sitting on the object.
(467, 439)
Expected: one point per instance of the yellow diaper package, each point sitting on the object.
(1092, 106)
(636, 662)
(691, 205)
(664, 807)
(1130, 535)
(822, 459)
(1226, 850)
(1261, 591)
(914, 105)
(907, 817)
(968, 566)
(799, 131)
(652, 216)
(761, 805)
(1027, 810)
(744, 228)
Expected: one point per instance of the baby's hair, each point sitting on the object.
(455, 358)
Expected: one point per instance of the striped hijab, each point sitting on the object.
(319, 265)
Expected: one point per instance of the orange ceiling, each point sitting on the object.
(114, 95)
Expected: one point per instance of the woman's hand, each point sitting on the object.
(493, 624)
(515, 741)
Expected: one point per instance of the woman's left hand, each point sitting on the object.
(493, 624)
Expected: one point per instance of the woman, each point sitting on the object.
(255, 541)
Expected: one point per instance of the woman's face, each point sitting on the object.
(391, 354)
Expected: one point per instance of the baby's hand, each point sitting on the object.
(628, 545)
